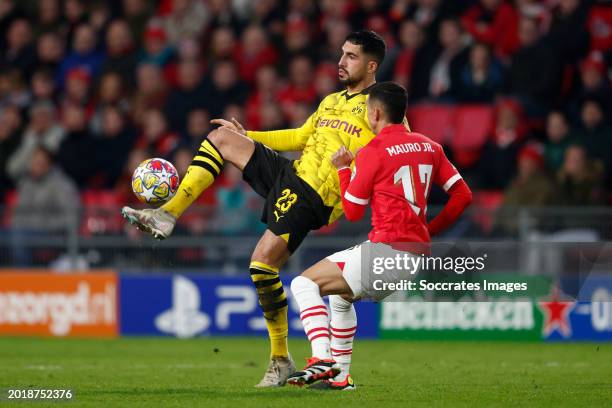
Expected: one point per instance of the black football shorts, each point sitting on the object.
(292, 208)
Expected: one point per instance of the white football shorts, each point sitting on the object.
(372, 270)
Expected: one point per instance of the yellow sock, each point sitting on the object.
(204, 168)
(273, 302)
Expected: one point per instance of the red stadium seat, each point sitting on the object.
(472, 125)
(599, 25)
(101, 212)
(434, 121)
(10, 201)
(487, 202)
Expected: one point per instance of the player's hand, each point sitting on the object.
(233, 125)
(342, 158)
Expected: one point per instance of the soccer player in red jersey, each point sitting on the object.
(393, 174)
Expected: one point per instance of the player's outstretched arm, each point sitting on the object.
(282, 140)
(460, 198)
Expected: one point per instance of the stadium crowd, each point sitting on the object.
(88, 89)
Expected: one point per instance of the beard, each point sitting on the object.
(350, 80)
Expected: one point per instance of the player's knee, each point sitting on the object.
(270, 252)
(338, 303)
(300, 284)
(219, 139)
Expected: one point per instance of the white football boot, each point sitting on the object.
(279, 369)
(154, 221)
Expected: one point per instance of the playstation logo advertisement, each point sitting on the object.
(190, 305)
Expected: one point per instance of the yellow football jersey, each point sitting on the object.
(340, 120)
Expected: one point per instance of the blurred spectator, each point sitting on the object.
(253, 52)
(568, 32)
(111, 92)
(8, 13)
(99, 17)
(47, 202)
(272, 117)
(325, 80)
(83, 55)
(112, 148)
(77, 150)
(439, 68)
(299, 115)
(10, 133)
(481, 79)
(411, 39)
(267, 86)
(42, 131)
(222, 44)
(363, 11)
(42, 85)
(495, 23)
(136, 14)
(498, 159)
(234, 110)
(535, 70)
(49, 17)
(269, 14)
(579, 179)
(189, 95)
(182, 160)
(75, 15)
(222, 14)
(223, 87)
(120, 48)
(336, 32)
(188, 19)
(13, 89)
(77, 89)
(558, 139)
(236, 209)
(428, 14)
(156, 137)
(50, 51)
(198, 127)
(156, 49)
(123, 187)
(297, 38)
(300, 88)
(596, 135)
(151, 91)
(530, 188)
(19, 52)
(593, 82)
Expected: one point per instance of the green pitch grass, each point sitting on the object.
(221, 372)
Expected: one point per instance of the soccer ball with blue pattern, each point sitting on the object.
(155, 181)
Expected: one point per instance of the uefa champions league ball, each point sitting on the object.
(155, 181)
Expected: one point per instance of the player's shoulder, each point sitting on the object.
(421, 138)
(370, 150)
(331, 98)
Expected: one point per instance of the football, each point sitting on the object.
(155, 181)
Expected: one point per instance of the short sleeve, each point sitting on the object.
(360, 189)
(446, 174)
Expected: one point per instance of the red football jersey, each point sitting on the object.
(394, 173)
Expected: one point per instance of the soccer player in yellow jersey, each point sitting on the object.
(301, 195)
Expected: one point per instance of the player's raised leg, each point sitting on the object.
(222, 144)
(269, 255)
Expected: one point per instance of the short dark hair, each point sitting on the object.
(371, 43)
(393, 97)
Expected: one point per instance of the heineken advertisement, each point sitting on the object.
(551, 316)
